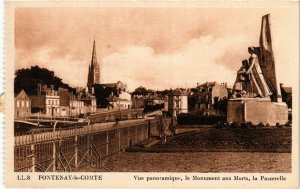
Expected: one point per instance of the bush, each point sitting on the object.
(152, 108)
(189, 119)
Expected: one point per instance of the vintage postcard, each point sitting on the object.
(168, 94)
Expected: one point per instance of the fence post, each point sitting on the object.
(76, 150)
(32, 152)
(53, 155)
(59, 165)
(90, 139)
(89, 145)
(54, 147)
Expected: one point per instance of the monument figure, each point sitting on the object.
(241, 85)
(250, 80)
(257, 79)
(256, 94)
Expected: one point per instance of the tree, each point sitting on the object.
(142, 91)
(192, 101)
(164, 92)
(28, 79)
(102, 93)
(221, 105)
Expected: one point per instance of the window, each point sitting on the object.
(18, 104)
(22, 103)
(177, 104)
(27, 104)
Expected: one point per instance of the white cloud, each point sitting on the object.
(197, 61)
(202, 59)
(72, 72)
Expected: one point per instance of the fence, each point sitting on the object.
(114, 115)
(76, 149)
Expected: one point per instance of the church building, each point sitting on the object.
(94, 70)
(116, 100)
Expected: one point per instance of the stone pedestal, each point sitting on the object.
(256, 110)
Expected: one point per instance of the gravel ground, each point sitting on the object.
(198, 162)
(207, 149)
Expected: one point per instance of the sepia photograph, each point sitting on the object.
(159, 89)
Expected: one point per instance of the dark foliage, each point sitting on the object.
(192, 100)
(189, 119)
(102, 93)
(164, 92)
(140, 91)
(28, 79)
(151, 108)
(221, 105)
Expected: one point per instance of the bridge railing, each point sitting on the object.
(76, 149)
(127, 114)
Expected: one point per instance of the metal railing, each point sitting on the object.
(126, 114)
(78, 148)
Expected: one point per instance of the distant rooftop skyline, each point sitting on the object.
(158, 48)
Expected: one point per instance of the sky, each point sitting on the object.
(158, 48)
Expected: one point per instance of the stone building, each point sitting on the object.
(22, 105)
(178, 102)
(123, 101)
(206, 95)
(46, 101)
(64, 102)
(76, 106)
(119, 86)
(152, 100)
(90, 103)
(138, 102)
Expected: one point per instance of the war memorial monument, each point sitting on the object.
(256, 92)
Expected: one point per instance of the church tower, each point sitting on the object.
(94, 69)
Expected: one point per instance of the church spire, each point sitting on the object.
(94, 56)
(94, 69)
